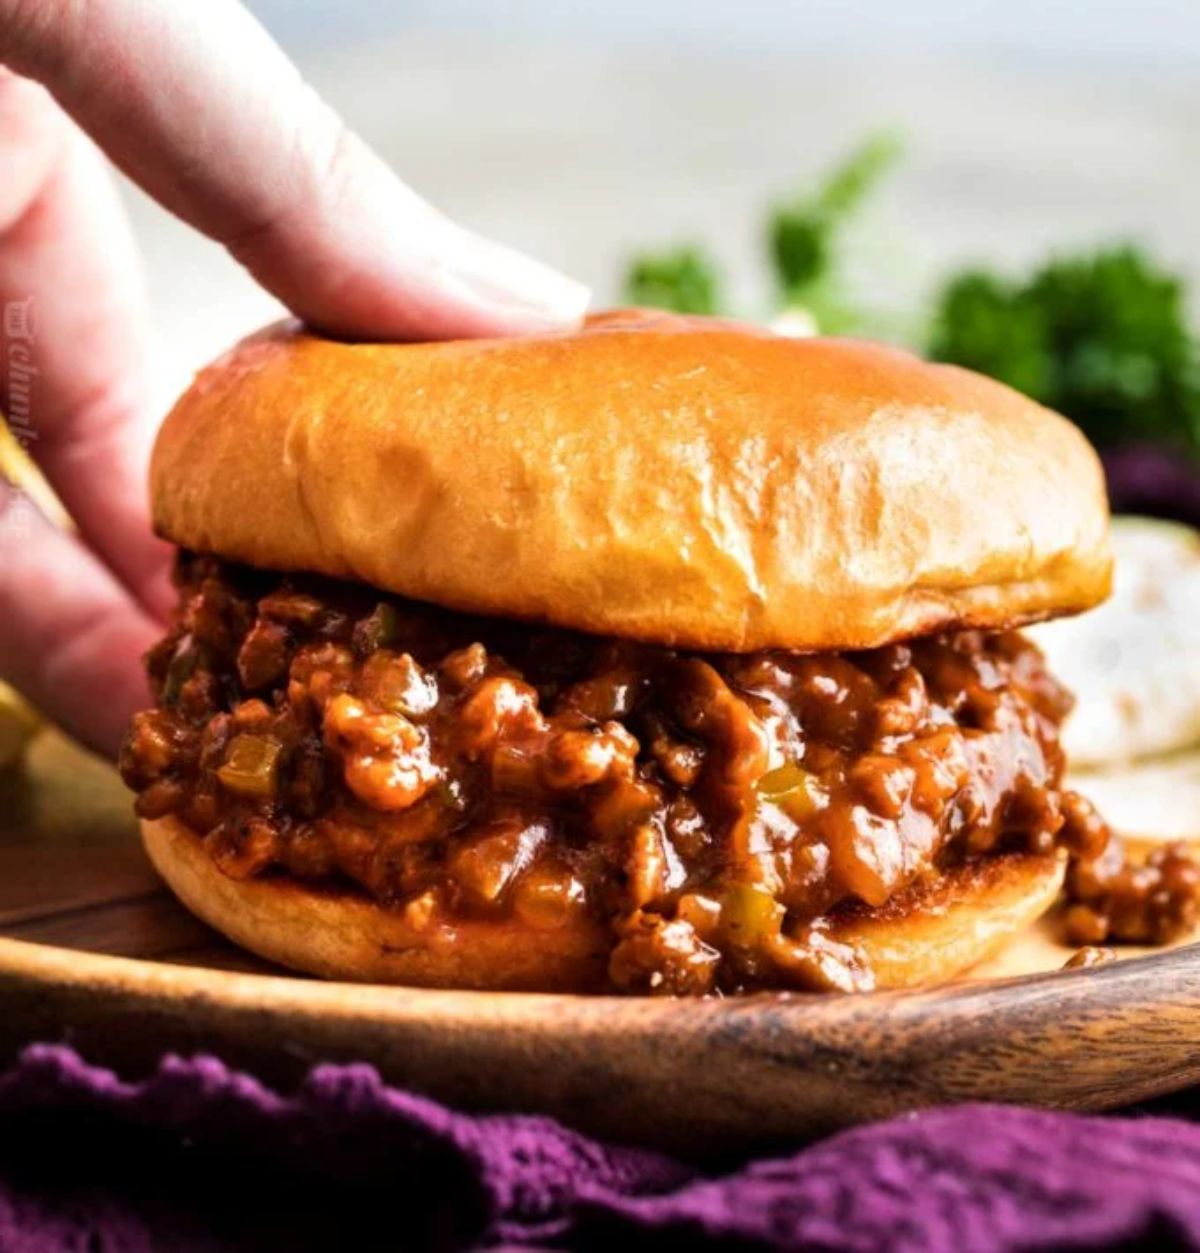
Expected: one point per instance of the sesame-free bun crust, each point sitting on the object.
(683, 481)
(339, 933)
(924, 936)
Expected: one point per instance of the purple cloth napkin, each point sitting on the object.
(1153, 481)
(199, 1156)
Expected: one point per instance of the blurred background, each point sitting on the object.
(585, 133)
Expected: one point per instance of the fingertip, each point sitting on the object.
(521, 293)
(71, 637)
(154, 589)
(108, 679)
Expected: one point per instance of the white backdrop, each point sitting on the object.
(1159, 29)
(581, 131)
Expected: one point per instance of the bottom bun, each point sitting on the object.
(339, 933)
(940, 929)
(923, 936)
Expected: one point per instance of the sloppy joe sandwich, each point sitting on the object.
(662, 656)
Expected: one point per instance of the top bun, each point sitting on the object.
(682, 481)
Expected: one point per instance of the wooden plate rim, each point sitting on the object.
(34, 961)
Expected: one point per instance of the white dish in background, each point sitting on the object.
(1134, 663)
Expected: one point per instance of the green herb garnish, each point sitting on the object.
(683, 280)
(1102, 337)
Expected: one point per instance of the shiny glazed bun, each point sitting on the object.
(926, 935)
(682, 481)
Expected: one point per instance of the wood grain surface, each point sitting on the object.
(93, 950)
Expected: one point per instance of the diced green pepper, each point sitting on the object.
(750, 915)
(181, 668)
(251, 766)
(793, 789)
(379, 629)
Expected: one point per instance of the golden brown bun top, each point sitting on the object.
(684, 481)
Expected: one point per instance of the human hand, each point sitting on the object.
(201, 108)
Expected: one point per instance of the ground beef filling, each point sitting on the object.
(711, 811)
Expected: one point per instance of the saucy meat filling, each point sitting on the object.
(710, 810)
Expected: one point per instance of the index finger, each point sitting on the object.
(201, 108)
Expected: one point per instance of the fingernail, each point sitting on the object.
(506, 279)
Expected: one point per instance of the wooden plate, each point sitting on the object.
(94, 951)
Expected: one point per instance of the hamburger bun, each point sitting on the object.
(925, 935)
(681, 481)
